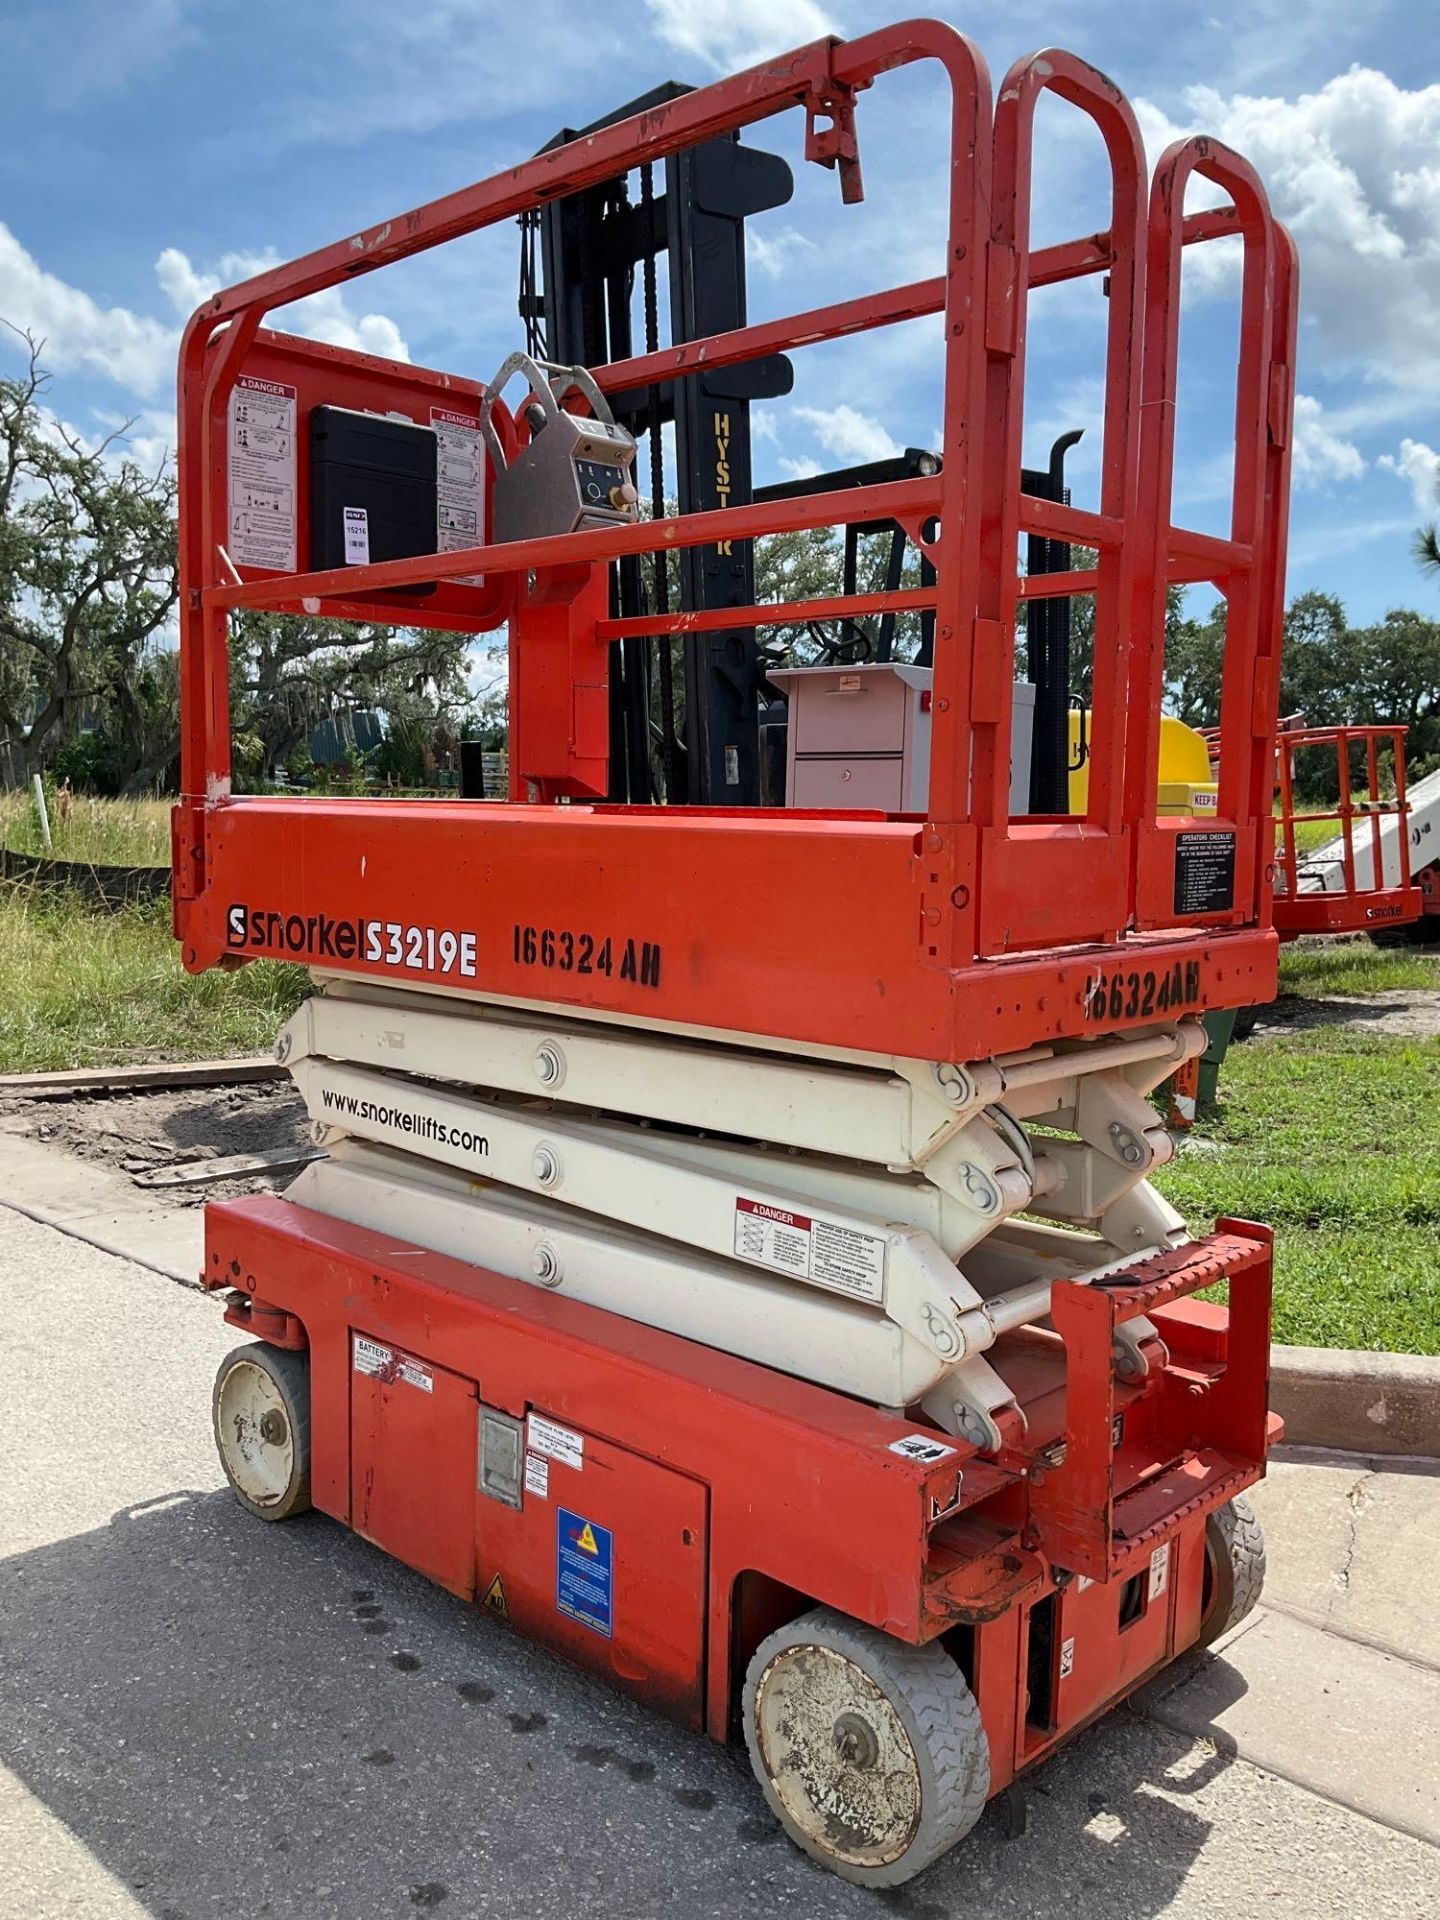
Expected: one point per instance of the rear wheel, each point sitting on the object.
(261, 1412)
(870, 1752)
(1234, 1568)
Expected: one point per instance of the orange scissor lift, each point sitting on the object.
(735, 1264)
(1360, 881)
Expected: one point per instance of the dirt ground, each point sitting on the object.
(137, 1131)
(1411, 1013)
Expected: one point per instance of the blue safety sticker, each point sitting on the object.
(584, 1570)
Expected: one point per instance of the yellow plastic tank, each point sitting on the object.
(1186, 784)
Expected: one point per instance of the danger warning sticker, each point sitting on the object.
(459, 485)
(262, 475)
(824, 1252)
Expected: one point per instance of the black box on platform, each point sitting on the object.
(372, 489)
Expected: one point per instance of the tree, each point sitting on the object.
(288, 672)
(1082, 631)
(87, 586)
(1194, 659)
(1396, 678)
(1317, 661)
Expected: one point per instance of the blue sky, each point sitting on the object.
(156, 148)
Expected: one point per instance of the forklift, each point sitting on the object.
(734, 1264)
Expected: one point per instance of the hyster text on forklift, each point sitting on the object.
(735, 1264)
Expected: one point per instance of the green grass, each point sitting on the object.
(1310, 969)
(1310, 835)
(1333, 1138)
(83, 988)
(104, 833)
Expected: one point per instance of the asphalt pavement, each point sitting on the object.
(204, 1715)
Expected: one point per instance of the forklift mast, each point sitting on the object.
(591, 245)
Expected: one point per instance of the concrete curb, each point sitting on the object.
(1372, 1403)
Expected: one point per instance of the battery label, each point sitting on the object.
(385, 1364)
(825, 1252)
(584, 1571)
(459, 485)
(262, 475)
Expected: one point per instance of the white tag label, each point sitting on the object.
(1159, 1570)
(920, 1446)
(1067, 1657)
(537, 1475)
(357, 537)
(557, 1442)
(370, 1356)
(828, 1254)
(262, 475)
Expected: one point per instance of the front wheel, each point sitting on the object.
(870, 1752)
(261, 1412)
(1234, 1568)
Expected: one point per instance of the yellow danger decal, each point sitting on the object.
(586, 1540)
(494, 1601)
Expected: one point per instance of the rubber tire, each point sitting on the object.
(939, 1714)
(1246, 1021)
(291, 1373)
(1234, 1568)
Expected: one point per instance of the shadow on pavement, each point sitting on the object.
(237, 1719)
(1391, 1012)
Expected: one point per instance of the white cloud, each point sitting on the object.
(1319, 453)
(775, 254)
(1420, 466)
(137, 351)
(134, 351)
(323, 316)
(800, 469)
(740, 32)
(1347, 169)
(849, 434)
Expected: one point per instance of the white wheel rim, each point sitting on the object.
(838, 1756)
(257, 1441)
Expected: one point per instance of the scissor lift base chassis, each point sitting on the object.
(729, 1498)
